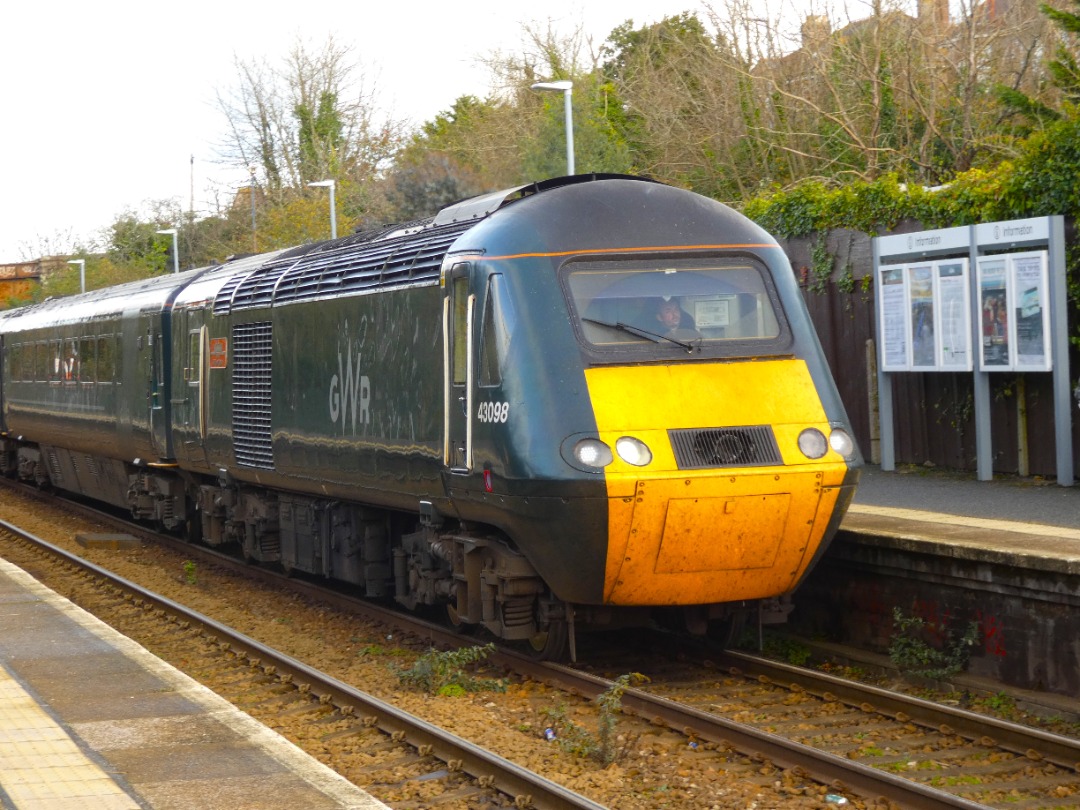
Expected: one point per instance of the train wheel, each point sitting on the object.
(193, 532)
(726, 632)
(551, 643)
(455, 620)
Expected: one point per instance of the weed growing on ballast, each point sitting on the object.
(189, 573)
(605, 745)
(443, 672)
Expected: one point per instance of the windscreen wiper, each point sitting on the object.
(619, 326)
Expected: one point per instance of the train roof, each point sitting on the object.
(412, 254)
(401, 255)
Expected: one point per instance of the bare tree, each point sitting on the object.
(309, 118)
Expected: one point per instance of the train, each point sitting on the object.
(587, 402)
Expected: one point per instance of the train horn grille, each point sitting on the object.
(725, 447)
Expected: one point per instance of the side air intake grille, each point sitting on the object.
(725, 447)
(251, 386)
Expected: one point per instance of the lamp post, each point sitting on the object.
(333, 216)
(82, 272)
(175, 249)
(566, 87)
(251, 189)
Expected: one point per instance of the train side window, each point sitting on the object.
(498, 327)
(26, 362)
(41, 362)
(106, 358)
(71, 361)
(461, 329)
(191, 367)
(57, 352)
(87, 360)
(14, 358)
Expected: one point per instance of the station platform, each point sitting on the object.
(1008, 520)
(89, 719)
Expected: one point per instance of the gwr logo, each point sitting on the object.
(350, 393)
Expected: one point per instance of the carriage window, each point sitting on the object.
(42, 357)
(191, 370)
(461, 346)
(71, 361)
(87, 360)
(704, 303)
(106, 358)
(14, 361)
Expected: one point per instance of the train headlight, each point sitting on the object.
(841, 441)
(812, 443)
(592, 453)
(633, 451)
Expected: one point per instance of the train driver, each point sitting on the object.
(674, 320)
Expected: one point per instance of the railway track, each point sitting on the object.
(400, 745)
(879, 743)
(861, 740)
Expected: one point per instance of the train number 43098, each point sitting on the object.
(493, 411)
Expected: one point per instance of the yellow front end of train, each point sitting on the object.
(684, 534)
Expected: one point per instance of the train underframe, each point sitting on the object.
(418, 560)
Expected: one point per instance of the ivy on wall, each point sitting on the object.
(1042, 180)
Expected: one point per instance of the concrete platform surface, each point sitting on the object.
(89, 719)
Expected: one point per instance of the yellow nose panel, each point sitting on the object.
(722, 534)
(711, 535)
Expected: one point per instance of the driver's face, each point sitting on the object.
(669, 315)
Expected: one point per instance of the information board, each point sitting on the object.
(924, 314)
(1015, 318)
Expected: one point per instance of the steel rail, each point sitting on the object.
(1059, 750)
(528, 789)
(819, 765)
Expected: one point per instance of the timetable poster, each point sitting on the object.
(921, 298)
(893, 312)
(993, 304)
(954, 327)
(1030, 313)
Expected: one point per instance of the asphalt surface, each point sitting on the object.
(1030, 500)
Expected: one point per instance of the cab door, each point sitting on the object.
(156, 389)
(459, 373)
(191, 388)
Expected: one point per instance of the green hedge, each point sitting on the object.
(1044, 179)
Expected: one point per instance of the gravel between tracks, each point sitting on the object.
(659, 769)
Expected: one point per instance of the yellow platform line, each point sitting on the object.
(1037, 529)
(41, 767)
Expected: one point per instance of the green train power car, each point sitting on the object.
(593, 400)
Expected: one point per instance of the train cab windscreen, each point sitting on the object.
(706, 305)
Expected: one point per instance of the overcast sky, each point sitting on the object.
(102, 105)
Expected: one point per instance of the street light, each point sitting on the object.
(566, 87)
(82, 272)
(254, 236)
(175, 249)
(333, 217)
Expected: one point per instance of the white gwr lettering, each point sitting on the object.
(350, 393)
